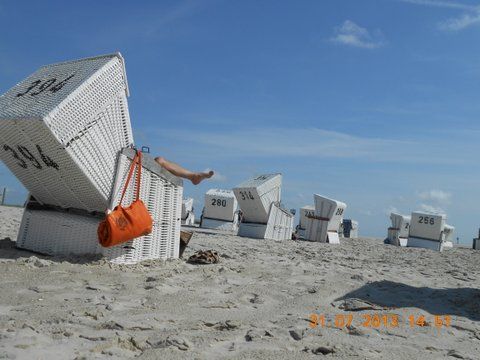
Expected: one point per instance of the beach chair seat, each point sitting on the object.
(428, 231)
(188, 216)
(263, 216)
(324, 224)
(398, 232)
(349, 229)
(220, 210)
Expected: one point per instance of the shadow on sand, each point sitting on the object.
(9, 251)
(455, 302)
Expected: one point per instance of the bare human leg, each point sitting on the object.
(177, 170)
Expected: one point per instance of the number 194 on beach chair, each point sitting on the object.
(62, 131)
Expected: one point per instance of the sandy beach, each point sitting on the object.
(257, 303)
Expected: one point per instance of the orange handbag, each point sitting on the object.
(126, 223)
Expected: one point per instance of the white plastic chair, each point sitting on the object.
(324, 224)
(427, 231)
(263, 217)
(398, 232)
(220, 210)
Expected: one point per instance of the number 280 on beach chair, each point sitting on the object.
(65, 133)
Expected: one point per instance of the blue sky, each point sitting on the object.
(372, 102)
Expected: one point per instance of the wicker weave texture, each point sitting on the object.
(164, 202)
(61, 128)
(58, 233)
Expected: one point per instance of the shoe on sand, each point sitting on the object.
(204, 257)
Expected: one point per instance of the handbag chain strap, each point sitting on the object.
(136, 162)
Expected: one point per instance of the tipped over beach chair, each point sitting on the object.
(65, 134)
(324, 224)
(398, 232)
(349, 229)
(220, 210)
(429, 231)
(188, 216)
(307, 210)
(263, 217)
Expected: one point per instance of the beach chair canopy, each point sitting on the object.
(61, 130)
(220, 204)
(255, 197)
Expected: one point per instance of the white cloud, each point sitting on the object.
(431, 209)
(438, 196)
(352, 34)
(462, 22)
(470, 17)
(441, 3)
(315, 143)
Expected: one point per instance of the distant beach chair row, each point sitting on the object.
(421, 229)
(261, 215)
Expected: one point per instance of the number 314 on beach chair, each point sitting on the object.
(62, 131)
(263, 217)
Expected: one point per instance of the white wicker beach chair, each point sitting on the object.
(61, 133)
(307, 210)
(188, 216)
(324, 224)
(62, 128)
(263, 217)
(349, 229)
(220, 210)
(398, 232)
(427, 231)
(55, 231)
(448, 236)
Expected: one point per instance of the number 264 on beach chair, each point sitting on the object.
(65, 133)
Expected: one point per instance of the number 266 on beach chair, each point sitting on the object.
(62, 131)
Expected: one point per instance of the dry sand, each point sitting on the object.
(255, 304)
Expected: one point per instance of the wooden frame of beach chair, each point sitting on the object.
(427, 231)
(305, 211)
(61, 133)
(323, 226)
(263, 217)
(188, 216)
(398, 232)
(220, 210)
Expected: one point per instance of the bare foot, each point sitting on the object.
(197, 178)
